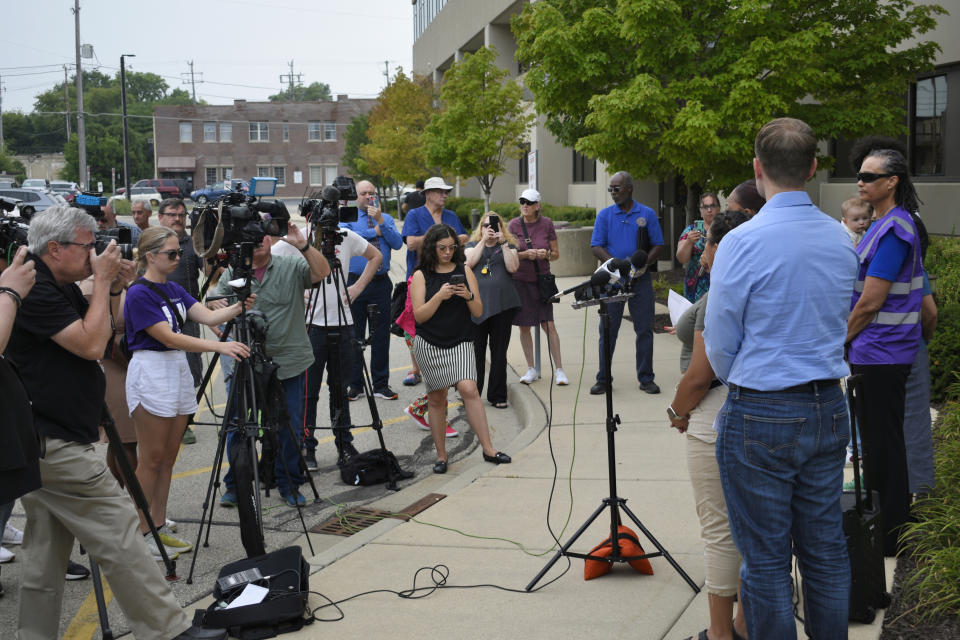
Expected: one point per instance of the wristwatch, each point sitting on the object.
(305, 248)
(673, 414)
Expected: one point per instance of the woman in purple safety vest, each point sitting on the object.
(883, 331)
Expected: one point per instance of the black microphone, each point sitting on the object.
(638, 266)
(330, 193)
(599, 279)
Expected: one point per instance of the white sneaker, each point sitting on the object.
(6, 556)
(561, 378)
(170, 524)
(529, 377)
(12, 535)
(155, 552)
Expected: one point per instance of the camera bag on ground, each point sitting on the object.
(373, 467)
(287, 575)
(863, 529)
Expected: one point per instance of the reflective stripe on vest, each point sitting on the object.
(896, 288)
(892, 318)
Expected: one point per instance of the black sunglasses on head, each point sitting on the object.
(866, 176)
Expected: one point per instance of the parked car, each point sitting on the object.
(33, 201)
(69, 190)
(168, 187)
(144, 194)
(40, 184)
(214, 191)
(8, 184)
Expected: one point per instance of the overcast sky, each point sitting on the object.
(239, 48)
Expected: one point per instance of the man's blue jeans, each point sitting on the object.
(338, 369)
(781, 458)
(288, 457)
(378, 292)
(641, 312)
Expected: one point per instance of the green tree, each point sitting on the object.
(354, 139)
(396, 126)
(315, 92)
(483, 121)
(680, 88)
(11, 166)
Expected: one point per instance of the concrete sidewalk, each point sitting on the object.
(488, 525)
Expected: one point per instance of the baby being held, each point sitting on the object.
(855, 216)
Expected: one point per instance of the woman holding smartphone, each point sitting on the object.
(159, 386)
(443, 294)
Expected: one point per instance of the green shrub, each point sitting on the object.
(944, 351)
(662, 286)
(943, 263)
(935, 535)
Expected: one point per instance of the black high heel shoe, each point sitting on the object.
(498, 458)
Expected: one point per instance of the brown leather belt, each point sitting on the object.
(807, 387)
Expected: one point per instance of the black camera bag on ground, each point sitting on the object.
(374, 467)
(398, 302)
(863, 529)
(284, 609)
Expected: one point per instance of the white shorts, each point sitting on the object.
(161, 382)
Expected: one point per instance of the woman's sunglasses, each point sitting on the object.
(866, 176)
(172, 254)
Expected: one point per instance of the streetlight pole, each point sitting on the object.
(81, 128)
(126, 141)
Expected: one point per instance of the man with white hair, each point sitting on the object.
(56, 342)
(141, 212)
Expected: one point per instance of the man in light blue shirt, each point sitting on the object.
(378, 229)
(775, 325)
(618, 232)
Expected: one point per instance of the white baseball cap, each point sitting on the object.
(436, 183)
(531, 195)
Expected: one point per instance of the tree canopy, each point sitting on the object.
(680, 87)
(483, 120)
(316, 91)
(352, 159)
(396, 126)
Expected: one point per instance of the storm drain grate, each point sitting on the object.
(357, 520)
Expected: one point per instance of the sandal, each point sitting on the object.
(440, 466)
(412, 379)
(500, 405)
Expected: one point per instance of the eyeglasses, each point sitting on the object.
(181, 216)
(524, 202)
(447, 248)
(614, 189)
(867, 177)
(172, 254)
(709, 206)
(86, 246)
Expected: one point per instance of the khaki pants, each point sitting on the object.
(720, 556)
(80, 499)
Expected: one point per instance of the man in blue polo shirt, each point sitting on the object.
(618, 232)
(435, 190)
(378, 229)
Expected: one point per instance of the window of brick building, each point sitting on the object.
(259, 132)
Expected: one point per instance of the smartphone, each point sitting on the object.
(458, 278)
(494, 223)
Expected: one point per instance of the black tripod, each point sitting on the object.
(613, 502)
(136, 492)
(246, 415)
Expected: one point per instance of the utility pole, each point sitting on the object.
(386, 71)
(192, 81)
(66, 100)
(126, 140)
(81, 127)
(290, 79)
(2, 147)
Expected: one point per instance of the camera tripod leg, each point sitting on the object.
(212, 486)
(105, 630)
(656, 543)
(563, 550)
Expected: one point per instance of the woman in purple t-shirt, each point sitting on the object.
(160, 392)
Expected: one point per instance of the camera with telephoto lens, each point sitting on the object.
(238, 217)
(93, 202)
(13, 232)
(324, 214)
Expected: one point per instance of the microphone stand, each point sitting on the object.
(613, 502)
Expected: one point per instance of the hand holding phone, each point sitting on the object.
(457, 279)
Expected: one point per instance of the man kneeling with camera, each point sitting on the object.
(56, 342)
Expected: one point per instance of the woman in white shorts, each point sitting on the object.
(159, 387)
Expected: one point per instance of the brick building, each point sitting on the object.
(299, 143)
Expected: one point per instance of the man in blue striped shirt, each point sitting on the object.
(775, 325)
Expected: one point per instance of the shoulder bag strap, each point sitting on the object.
(157, 290)
(526, 238)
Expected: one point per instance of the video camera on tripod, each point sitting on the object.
(324, 214)
(237, 222)
(13, 232)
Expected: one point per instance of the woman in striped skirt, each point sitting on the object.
(443, 346)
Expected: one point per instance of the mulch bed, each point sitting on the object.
(901, 622)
